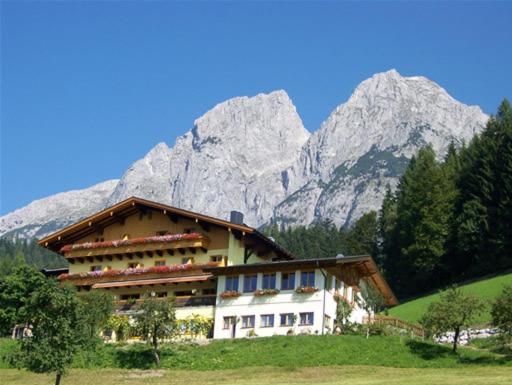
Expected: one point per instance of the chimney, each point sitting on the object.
(237, 217)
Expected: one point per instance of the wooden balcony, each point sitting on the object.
(136, 248)
(191, 301)
(154, 275)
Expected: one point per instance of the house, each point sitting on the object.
(223, 270)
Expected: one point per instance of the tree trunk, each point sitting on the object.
(455, 339)
(155, 350)
(57, 378)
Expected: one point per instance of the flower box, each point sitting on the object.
(264, 292)
(143, 271)
(131, 242)
(230, 294)
(306, 289)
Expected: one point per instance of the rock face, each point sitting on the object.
(367, 142)
(254, 155)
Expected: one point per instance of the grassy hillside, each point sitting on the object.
(487, 289)
(290, 352)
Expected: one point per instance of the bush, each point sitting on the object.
(501, 312)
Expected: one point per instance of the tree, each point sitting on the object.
(15, 292)
(343, 312)
(99, 306)
(55, 315)
(156, 322)
(454, 311)
(362, 236)
(501, 312)
(372, 302)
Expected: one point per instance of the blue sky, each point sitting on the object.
(89, 87)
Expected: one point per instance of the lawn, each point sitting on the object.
(486, 289)
(345, 375)
(290, 352)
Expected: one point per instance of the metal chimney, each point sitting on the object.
(237, 217)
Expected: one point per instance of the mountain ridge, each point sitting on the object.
(254, 155)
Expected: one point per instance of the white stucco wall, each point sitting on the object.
(320, 303)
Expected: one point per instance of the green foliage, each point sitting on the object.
(454, 311)
(195, 325)
(451, 220)
(119, 324)
(56, 318)
(15, 292)
(325, 240)
(156, 322)
(19, 251)
(343, 312)
(502, 311)
(98, 307)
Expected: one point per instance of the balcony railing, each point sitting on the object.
(200, 300)
(135, 274)
(136, 247)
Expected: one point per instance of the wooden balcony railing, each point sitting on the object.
(200, 300)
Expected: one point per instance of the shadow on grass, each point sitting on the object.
(134, 358)
(429, 351)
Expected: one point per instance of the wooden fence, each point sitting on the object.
(415, 329)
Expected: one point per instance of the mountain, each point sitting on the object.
(253, 154)
(367, 142)
(46, 215)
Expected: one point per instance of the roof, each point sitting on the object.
(132, 205)
(364, 263)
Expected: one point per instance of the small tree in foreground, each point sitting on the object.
(55, 315)
(454, 311)
(343, 312)
(372, 302)
(156, 322)
(501, 312)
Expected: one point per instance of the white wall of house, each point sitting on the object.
(321, 303)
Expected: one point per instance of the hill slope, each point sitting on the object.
(486, 289)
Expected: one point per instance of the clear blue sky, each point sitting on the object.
(89, 87)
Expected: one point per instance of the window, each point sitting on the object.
(162, 232)
(307, 278)
(248, 321)
(327, 321)
(267, 321)
(269, 281)
(161, 294)
(287, 319)
(229, 322)
(232, 283)
(345, 291)
(306, 318)
(189, 230)
(160, 262)
(250, 283)
(216, 258)
(99, 239)
(132, 265)
(287, 281)
(96, 268)
(209, 292)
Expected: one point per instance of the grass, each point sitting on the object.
(486, 289)
(346, 375)
(290, 352)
